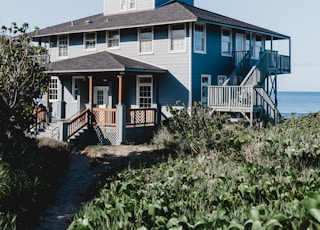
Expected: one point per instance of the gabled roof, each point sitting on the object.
(174, 12)
(101, 62)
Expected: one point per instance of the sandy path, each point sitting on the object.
(81, 176)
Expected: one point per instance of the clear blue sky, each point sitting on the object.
(297, 19)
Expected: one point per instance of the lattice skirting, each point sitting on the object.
(109, 135)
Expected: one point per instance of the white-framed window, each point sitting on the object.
(128, 5)
(144, 91)
(101, 96)
(258, 46)
(247, 42)
(205, 82)
(226, 42)
(177, 37)
(113, 39)
(221, 79)
(199, 38)
(90, 40)
(75, 86)
(145, 40)
(53, 89)
(63, 44)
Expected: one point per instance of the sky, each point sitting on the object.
(297, 19)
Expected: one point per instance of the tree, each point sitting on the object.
(22, 80)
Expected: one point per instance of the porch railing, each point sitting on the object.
(284, 65)
(136, 117)
(104, 116)
(78, 122)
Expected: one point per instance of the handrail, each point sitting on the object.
(78, 122)
(240, 70)
(266, 102)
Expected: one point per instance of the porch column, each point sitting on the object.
(121, 115)
(90, 91)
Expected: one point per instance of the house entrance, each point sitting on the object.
(101, 96)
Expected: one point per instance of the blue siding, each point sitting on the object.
(161, 2)
(211, 63)
(101, 37)
(129, 35)
(76, 39)
(53, 41)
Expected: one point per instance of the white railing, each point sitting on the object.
(241, 99)
(230, 97)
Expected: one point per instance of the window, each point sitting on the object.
(177, 37)
(90, 40)
(123, 5)
(221, 79)
(63, 45)
(226, 42)
(199, 38)
(53, 89)
(75, 86)
(145, 40)
(205, 82)
(127, 5)
(144, 91)
(247, 42)
(132, 4)
(258, 46)
(113, 39)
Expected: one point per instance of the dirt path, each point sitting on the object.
(84, 169)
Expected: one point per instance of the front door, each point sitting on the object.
(240, 48)
(101, 95)
(205, 82)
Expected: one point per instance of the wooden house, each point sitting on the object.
(118, 70)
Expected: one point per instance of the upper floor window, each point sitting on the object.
(127, 5)
(63, 43)
(145, 40)
(53, 89)
(113, 39)
(177, 37)
(199, 38)
(144, 91)
(90, 40)
(226, 42)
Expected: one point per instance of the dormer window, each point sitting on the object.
(90, 41)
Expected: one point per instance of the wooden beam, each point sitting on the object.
(90, 90)
(120, 90)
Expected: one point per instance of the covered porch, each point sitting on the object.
(113, 95)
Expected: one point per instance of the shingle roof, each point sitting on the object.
(171, 13)
(101, 62)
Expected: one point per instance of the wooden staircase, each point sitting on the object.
(244, 91)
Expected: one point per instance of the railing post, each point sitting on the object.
(63, 131)
(121, 124)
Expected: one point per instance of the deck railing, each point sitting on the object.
(230, 97)
(78, 122)
(141, 117)
(104, 116)
(284, 64)
(241, 99)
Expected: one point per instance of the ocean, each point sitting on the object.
(299, 103)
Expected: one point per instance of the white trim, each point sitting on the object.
(204, 100)
(190, 65)
(204, 51)
(170, 39)
(152, 38)
(85, 41)
(106, 98)
(74, 78)
(223, 77)
(138, 84)
(230, 31)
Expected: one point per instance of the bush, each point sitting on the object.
(30, 171)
